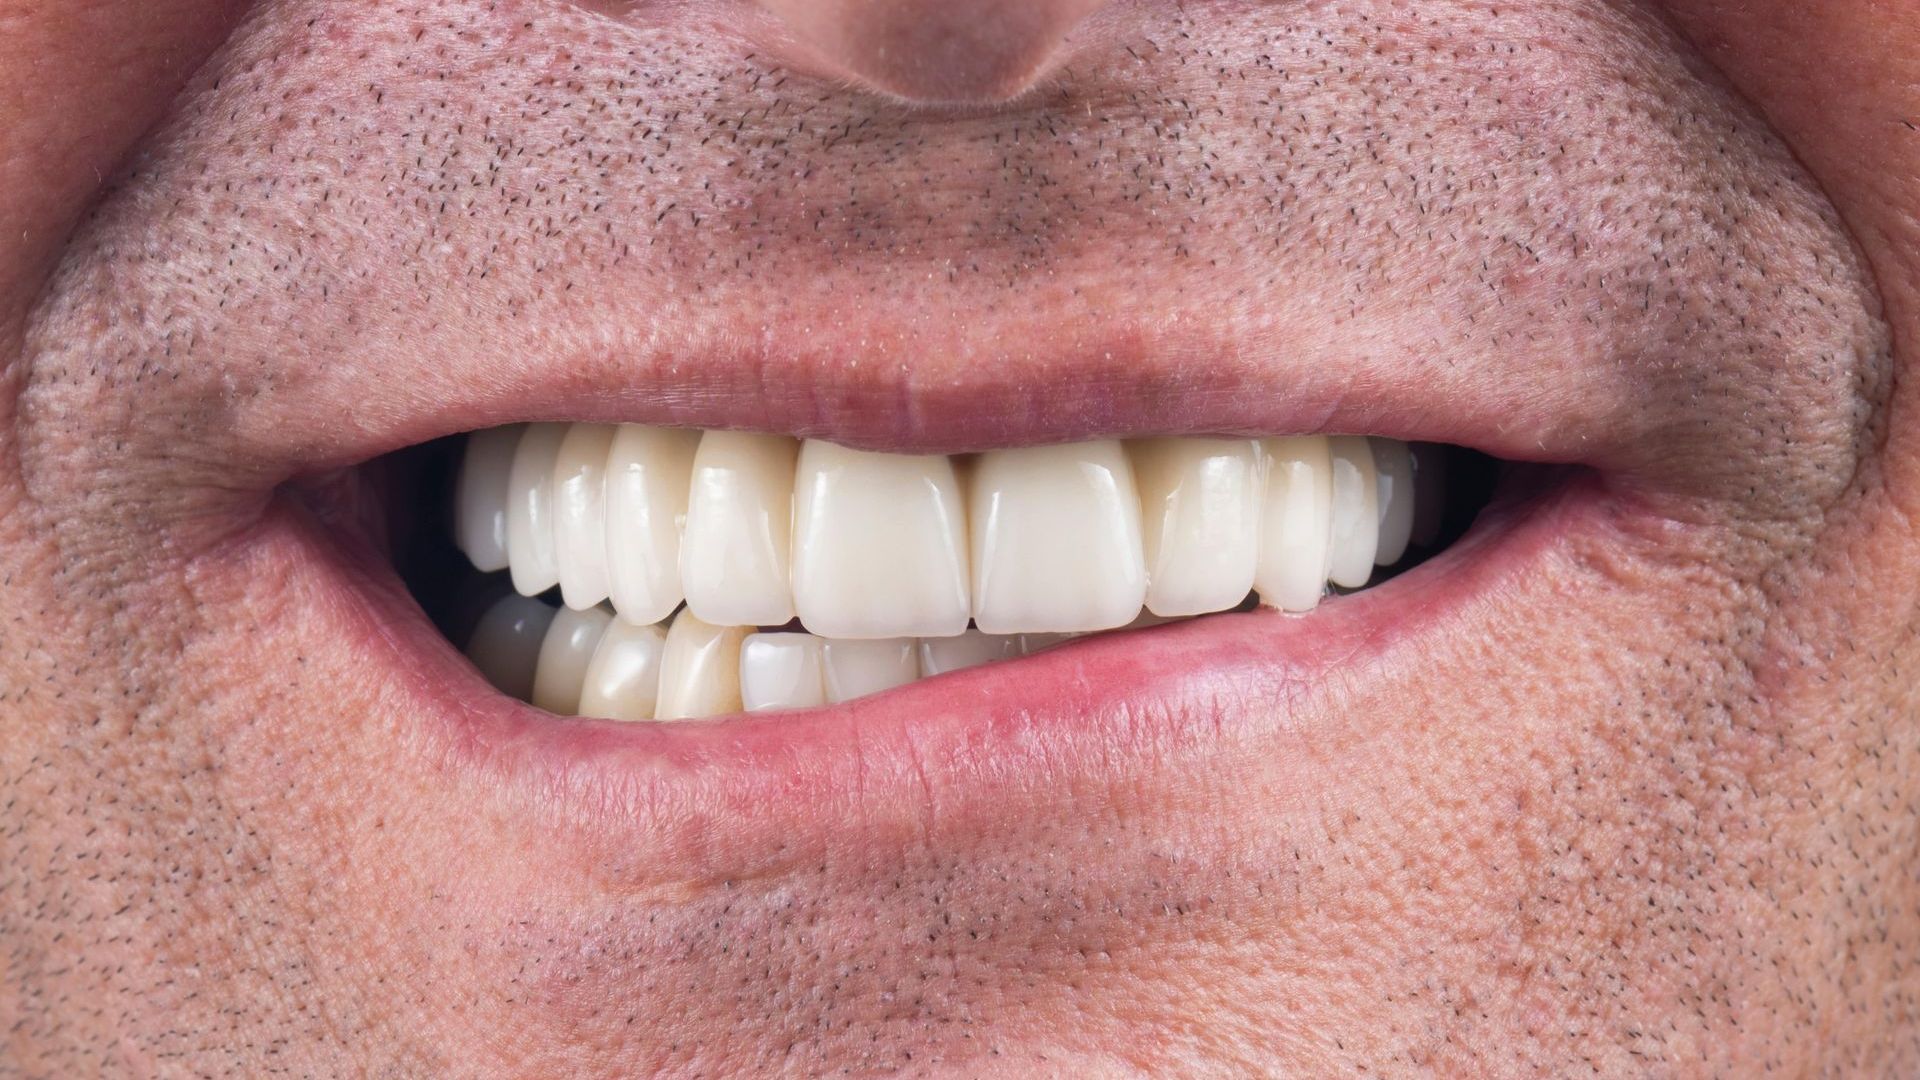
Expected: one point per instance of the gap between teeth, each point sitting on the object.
(897, 566)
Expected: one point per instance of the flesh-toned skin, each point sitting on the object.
(1627, 785)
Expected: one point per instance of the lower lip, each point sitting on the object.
(751, 795)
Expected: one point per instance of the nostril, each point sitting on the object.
(936, 51)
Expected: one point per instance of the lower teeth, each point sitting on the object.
(590, 663)
(901, 560)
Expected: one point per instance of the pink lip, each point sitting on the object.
(967, 390)
(751, 794)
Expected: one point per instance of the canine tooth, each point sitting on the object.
(1356, 514)
(505, 645)
(700, 669)
(649, 471)
(879, 544)
(971, 649)
(1393, 469)
(623, 680)
(531, 547)
(781, 671)
(480, 501)
(1429, 493)
(580, 513)
(1296, 523)
(855, 669)
(1056, 539)
(1200, 521)
(734, 559)
(564, 655)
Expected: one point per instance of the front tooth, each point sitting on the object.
(648, 473)
(1296, 523)
(1355, 537)
(530, 538)
(1056, 540)
(1393, 469)
(623, 680)
(971, 649)
(480, 502)
(700, 669)
(580, 513)
(854, 669)
(1200, 521)
(879, 544)
(505, 645)
(781, 671)
(733, 561)
(564, 655)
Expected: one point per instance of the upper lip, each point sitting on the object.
(939, 383)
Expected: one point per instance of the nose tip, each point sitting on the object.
(936, 51)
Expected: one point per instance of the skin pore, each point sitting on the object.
(1646, 807)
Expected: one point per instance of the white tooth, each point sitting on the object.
(1200, 521)
(1429, 493)
(1056, 540)
(1296, 523)
(648, 473)
(564, 656)
(1393, 467)
(580, 513)
(623, 680)
(733, 561)
(480, 502)
(505, 645)
(855, 669)
(971, 649)
(700, 670)
(781, 671)
(879, 544)
(1356, 512)
(530, 537)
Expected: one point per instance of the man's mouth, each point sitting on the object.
(872, 628)
(628, 572)
(648, 573)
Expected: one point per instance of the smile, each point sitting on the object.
(652, 629)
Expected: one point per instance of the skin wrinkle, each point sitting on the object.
(232, 865)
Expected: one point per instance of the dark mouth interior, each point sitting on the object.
(417, 485)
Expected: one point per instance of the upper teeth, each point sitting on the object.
(1201, 501)
(735, 557)
(751, 530)
(532, 552)
(879, 544)
(1056, 540)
